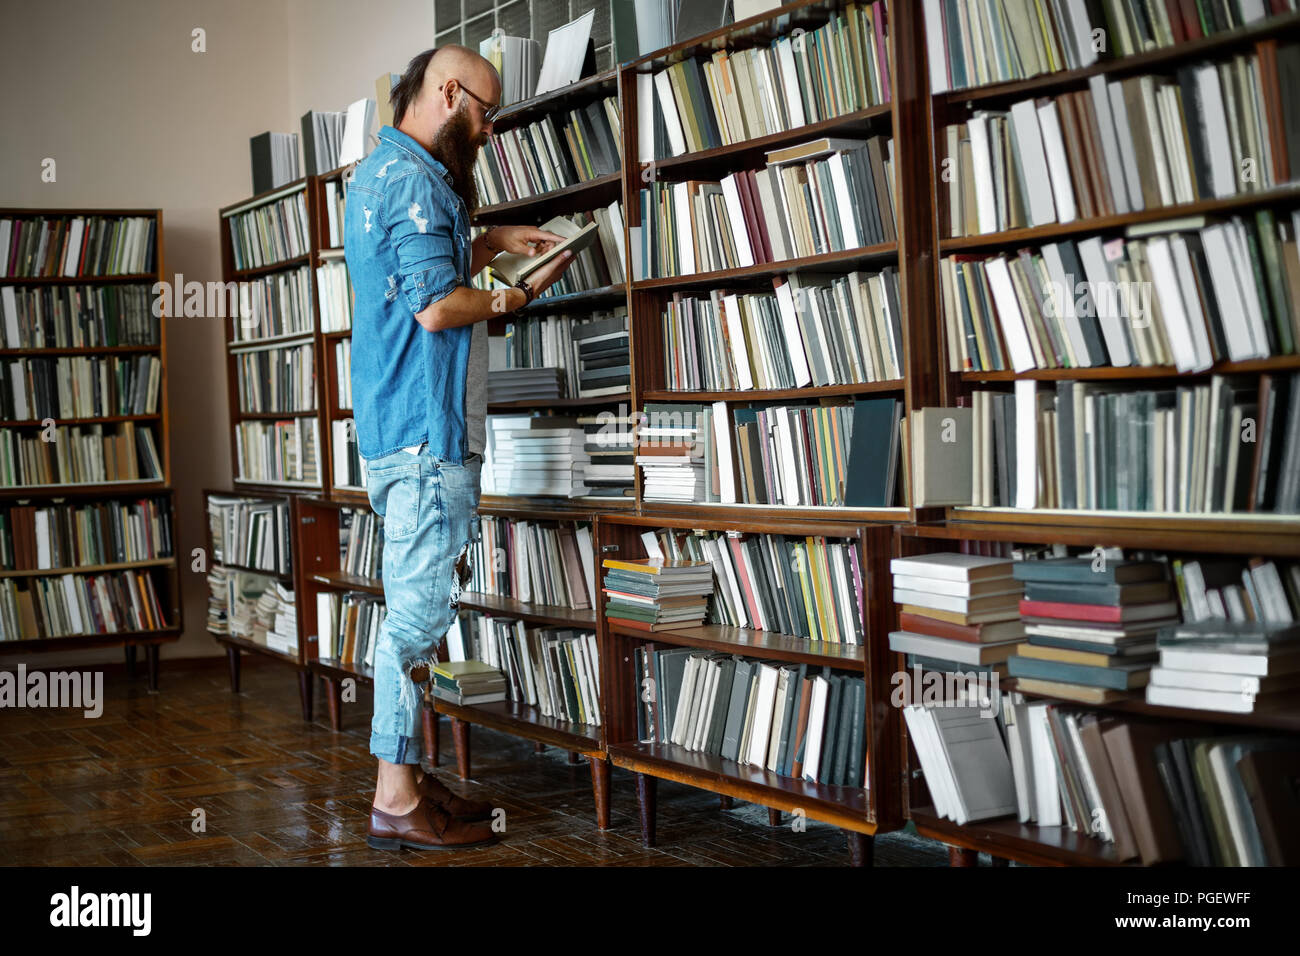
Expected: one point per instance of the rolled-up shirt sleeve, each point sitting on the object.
(422, 232)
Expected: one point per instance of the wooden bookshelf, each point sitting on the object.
(162, 572)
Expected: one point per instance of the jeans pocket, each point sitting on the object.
(402, 509)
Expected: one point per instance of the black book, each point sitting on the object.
(830, 734)
(260, 148)
(867, 483)
(1288, 76)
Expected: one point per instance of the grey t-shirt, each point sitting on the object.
(476, 390)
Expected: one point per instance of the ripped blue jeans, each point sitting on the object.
(429, 507)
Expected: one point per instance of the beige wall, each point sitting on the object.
(112, 91)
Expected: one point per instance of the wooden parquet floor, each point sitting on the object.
(131, 787)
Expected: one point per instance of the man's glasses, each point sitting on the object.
(489, 111)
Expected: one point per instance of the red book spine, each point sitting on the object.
(1102, 613)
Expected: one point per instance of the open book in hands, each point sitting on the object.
(512, 266)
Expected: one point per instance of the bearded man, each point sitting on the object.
(419, 374)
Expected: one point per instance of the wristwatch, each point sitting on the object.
(527, 289)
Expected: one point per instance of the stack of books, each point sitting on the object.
(1236, 667)
(520, 384)
(1091, 624)
(282, 629)
(535, 455)
(670, 453)
(468, 682)
(657, 594)
(958, 612)
(610, 444)
(274, 159)
(518, 60)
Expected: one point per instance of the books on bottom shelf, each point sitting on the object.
(1238, 667)
(79, 455)
(347, 626)
(251, 532)
(254, 607)
(74, 604)
(468, 682)
(285, 451)
(534, 562)
(657, 594)
(793, 720)
(556, 670)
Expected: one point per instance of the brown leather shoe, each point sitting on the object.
(453, 804)
(427, 827)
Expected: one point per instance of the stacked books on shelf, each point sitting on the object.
(468, 682)
(361, 543)
(348, 626)
(44, 537)
(738, 95)
(971, 43)
(834, 332)
(958, 614)
(276, 619)
(609, 441)
(1187, 293)
(71, 605)
(1238, 667)
(1125, 146)
(250, 532)
(657, 594)
(273, 306)
(808, 587)
(274, 159)
(49, 247)
(343, 373)
(322, 140)
(218, 619)
(818, 455)
(334, 292)
(77, 316)
(517, 61)
(541, 384)
(534, 455)
(556, 151)
(282, 451)
(590, 351)
(336, 195)
(277, 380)
(1228, 444)
(79, 454)
(1090, 625)
(556, 670)
(349, 468)
(270, 233)
(537, 563)
(829, 195)
(77, 387)
(789, 719)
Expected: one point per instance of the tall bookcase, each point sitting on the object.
(160, 570)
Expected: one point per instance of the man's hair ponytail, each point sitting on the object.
(408, 87)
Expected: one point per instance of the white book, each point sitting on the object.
(934, 41)
(1197, 321)
(1223, 171)
(1033, 163)
(795, 347)
(736, 335)
(1230, 294)
(1026, 443)
(645, 118)
(790, 80)
(1169, 291)
(1110, 147)
(1010, 318)
(986, 206)
(977, 758)
(685, 237)
(668, 106)
(952, 566)
(736, 216)
(1061, 297)
(1102, 288)
(1047, 794)
(816, 728)
(1128, 152)
(1049, 121)
(843, 202)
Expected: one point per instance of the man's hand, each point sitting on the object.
(546, 276)
(522, 240)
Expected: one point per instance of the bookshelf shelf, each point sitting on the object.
(348, 582)
(1058, 230)
(771, 394)
(275, 416)
(585, 89)
(80, 350)
(1223, 537)
(91, 568)
(1280, 363)
(256, 271)
(594, 401)
(249, 569)
(96, 420)
(1263, 528)
(751, 31)
(79, 280)
(600, 191)
(884, 252)
(146, 639)
(271, 342)
(236, 644)
(753, 512)
(587, 298)
(1010, 839)
(334, 669)
(79, 489)
(521, 720)
(747, 641)
(1154, 60)
(546, 614)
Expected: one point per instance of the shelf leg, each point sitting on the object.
(600, 787)
(958, 856)
(232, 661)
(725, 802)
(460, 737)
(334, 703)
(429, 724)
(646, 788)
(862, 849)
(130, 661)
(539, 747)
(305, 685)
(573, 758)
(773, 817)
(151, 660)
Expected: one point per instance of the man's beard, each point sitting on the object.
(455, 147)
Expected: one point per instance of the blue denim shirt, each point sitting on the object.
(407, 243)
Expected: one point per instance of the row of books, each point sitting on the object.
(39, 388)
(343, 372)
(273, 306)
(590, 350)
(1229, 444)
(79, 454)
(70, 605)
(1188, 293)
(336, 196)
(361, 543)
(273, 158)
(599, 264)
(334, 291)
(47, 246)
(270, 233)
(348, 626)
(558, 456)
(44, 537)
(809, 587)
(251, 532)
(518, 61)
(830, 195)
(281, 451)
(819, 455)
(1124, 146)
(277, 380)
(78, 316)
(737, 95)
(556, 670)
(847, 329)
(971, 43)
(786, 718)
(533, 562)
(347, 466)
(556, 151)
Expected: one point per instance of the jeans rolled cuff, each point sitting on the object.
(396, 749)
